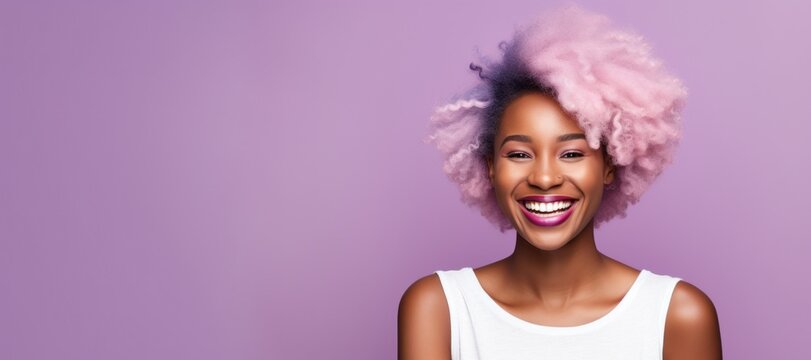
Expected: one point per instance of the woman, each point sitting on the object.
(565, 132)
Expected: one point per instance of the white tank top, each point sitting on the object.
(482, 330)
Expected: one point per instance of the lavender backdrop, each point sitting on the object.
(246, 180)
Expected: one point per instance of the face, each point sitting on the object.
(546, 178)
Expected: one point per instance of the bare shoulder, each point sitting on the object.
(424, 295)
(691, 327)
(423, 321)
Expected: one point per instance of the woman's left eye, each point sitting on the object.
(574, 153)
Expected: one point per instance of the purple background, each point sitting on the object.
(246, 180)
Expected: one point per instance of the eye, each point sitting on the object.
(517, 155)
(574, 154)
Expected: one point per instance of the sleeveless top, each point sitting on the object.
(482, 330)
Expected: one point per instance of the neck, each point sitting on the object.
(557, 274)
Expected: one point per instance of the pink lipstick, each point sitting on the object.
(547, 210)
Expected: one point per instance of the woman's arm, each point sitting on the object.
(423, 322)
(691, 328)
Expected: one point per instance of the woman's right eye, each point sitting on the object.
(517, 155)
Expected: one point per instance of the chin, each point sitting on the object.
(550, 247)
(546, 242)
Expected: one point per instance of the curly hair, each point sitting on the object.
(606, 78)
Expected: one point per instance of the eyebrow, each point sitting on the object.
(527, 139)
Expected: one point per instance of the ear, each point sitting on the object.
(608, 177)
(610, 168)
(490, 169)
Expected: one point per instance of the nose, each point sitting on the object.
(545, 175)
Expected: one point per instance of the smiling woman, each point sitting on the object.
(544, 171)
(564, 133)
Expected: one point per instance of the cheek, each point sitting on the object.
(506, 179)
(507, 176)
(587, 176)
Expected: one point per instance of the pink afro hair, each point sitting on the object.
(607, 78)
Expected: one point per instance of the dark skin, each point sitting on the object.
(555, 276)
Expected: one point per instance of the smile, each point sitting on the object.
(550, 213)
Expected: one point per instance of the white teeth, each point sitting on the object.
(547, 207)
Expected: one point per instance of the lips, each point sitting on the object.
(547, 220)
(547, 198)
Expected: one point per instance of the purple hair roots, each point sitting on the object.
(607, 78)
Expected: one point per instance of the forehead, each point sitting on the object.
(536, 115)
